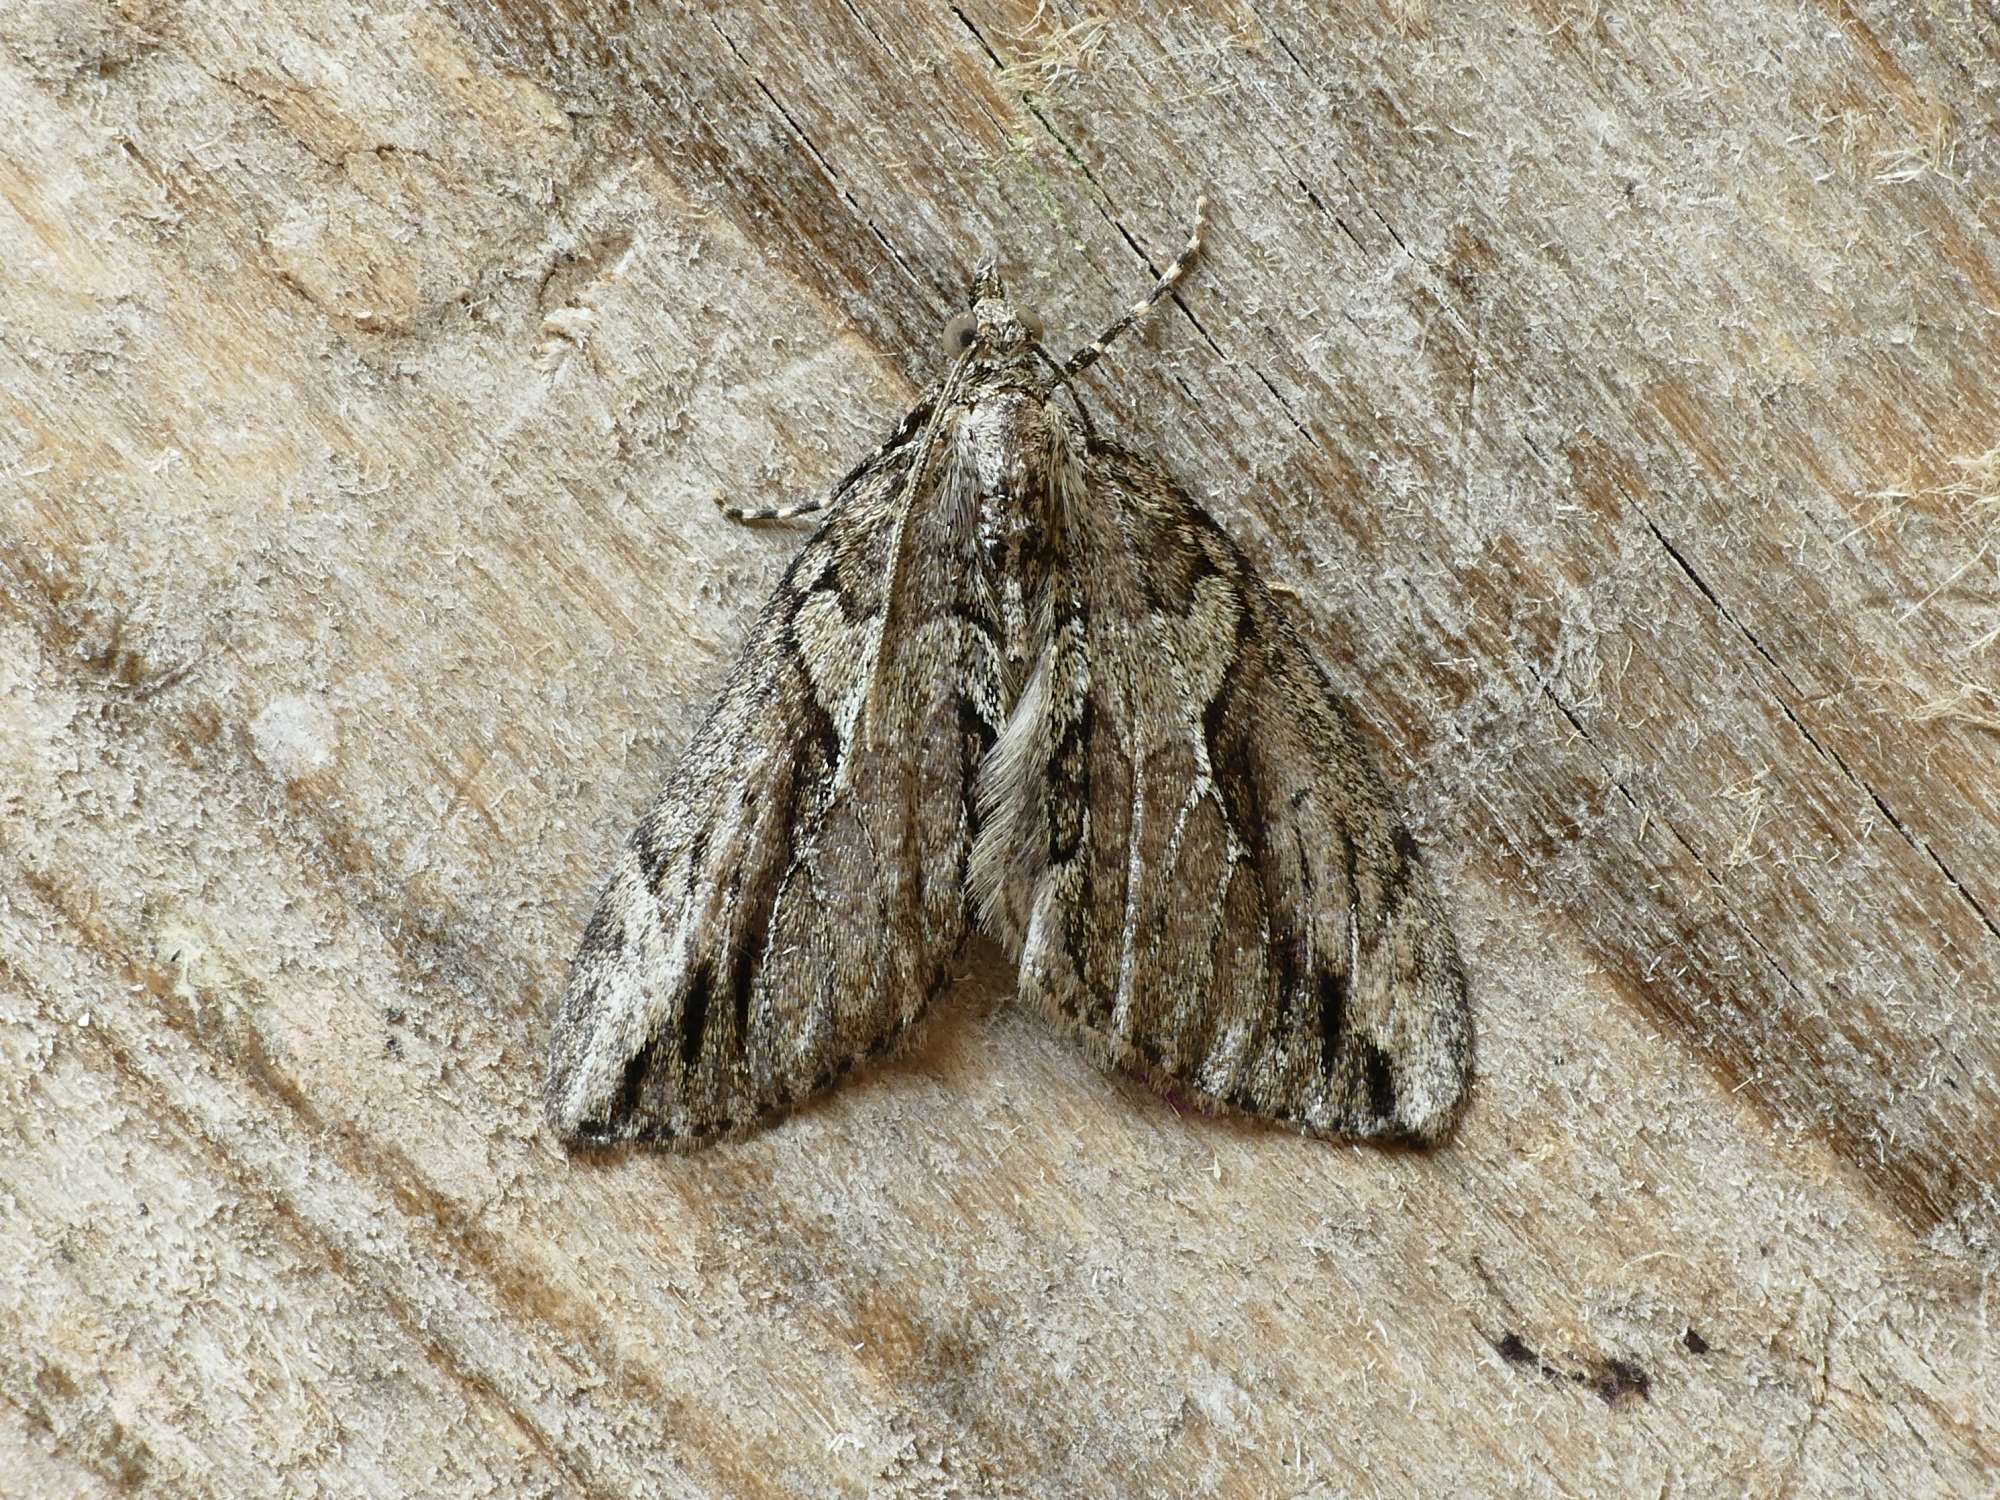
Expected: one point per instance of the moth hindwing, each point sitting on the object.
(1018, 680)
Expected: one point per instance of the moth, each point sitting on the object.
(1018, 682)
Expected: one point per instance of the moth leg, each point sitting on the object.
(907, 428)
(771, 512)
(1063, 380)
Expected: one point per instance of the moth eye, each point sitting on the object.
(960, 332)
(1032, 321)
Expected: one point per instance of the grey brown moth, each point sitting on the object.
(1017, 681)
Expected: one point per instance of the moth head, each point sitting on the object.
(994, 325)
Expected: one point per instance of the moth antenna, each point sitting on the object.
(1085, 357)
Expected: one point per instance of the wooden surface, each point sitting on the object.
(1614, 385)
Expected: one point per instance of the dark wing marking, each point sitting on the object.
(788, 905)
(1237, 912)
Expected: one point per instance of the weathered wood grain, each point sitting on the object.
(1614, 386)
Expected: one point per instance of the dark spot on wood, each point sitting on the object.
(54, 1382)
(1515, 1350)
(1694, 1342)
(1614, 1380)
(1618, 1379)
(1512, 1348)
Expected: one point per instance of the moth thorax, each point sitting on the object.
(1009, 440)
